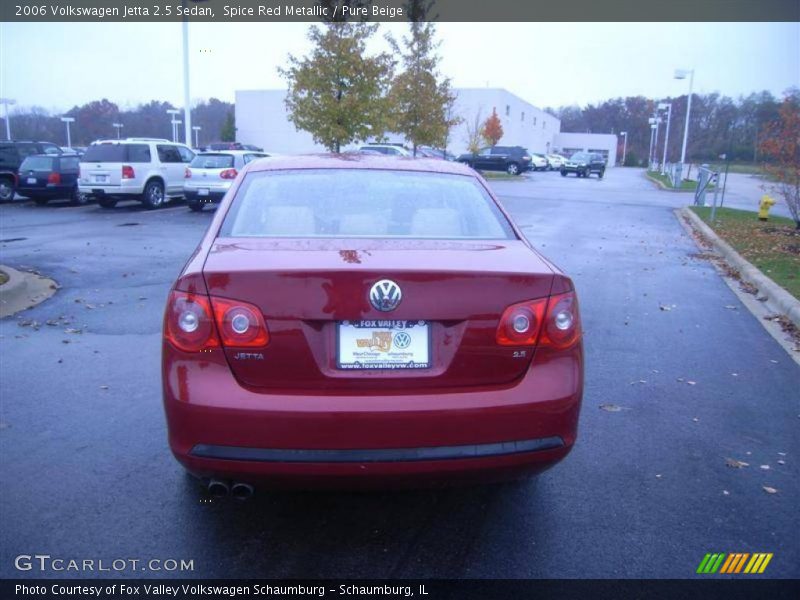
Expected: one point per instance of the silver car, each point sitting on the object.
(210, 175)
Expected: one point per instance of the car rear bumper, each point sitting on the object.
(61, 191)
(213, 195)
(99, 190)
(220, 429)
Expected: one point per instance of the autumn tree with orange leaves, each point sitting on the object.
(492, 129)
(781, 147)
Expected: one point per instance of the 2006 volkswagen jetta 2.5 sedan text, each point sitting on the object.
(359, 321)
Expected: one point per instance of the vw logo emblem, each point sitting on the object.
(385, 295)
(402, 340)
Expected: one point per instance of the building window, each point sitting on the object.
(508, 110)
(544, 124)
(534, 121)
(523, 115)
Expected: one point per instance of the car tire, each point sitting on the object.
(78, 198)
(601, 173)
(195, 205)
(41, 201)
(512, 168)
(6, 190)
(563, 173)
(153, 195)
(107, 202)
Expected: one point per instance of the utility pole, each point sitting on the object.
(68, 120)
(187, 106)
(624, 135)
(668, 107)
(8, 102)
(683, 74)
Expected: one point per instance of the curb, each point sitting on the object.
(13, 290)
(664, 187)
(776, 295)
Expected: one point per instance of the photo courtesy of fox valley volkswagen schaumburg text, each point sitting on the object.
(399, 298)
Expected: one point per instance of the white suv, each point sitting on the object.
(146, 169)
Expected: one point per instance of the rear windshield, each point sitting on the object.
(37, 163)
(130, 153)
(349, 203)
(212, 161)
(580, 156)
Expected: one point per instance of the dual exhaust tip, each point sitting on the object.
(220, 489)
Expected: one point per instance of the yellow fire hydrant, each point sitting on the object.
(764, 206)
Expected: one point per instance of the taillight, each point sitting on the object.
(187, 173)
(240, 324)
(562, 327)
(127, 172)
(188, 322)
(54, 178)
(520, 323)
(553, 321)
(229, 174)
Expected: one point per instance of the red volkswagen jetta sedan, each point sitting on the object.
(350, 321)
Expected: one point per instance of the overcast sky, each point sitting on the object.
(548, 64)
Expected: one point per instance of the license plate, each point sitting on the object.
(202, 192)
(100, 178)
(31, 180)
(383, 344)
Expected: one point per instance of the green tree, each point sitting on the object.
(338, 93)
(421, 99)
(228, 131)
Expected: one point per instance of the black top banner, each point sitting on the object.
(243, 11)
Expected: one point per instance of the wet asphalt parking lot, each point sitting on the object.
(86, 471)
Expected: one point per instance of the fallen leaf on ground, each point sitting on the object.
(736, 464)
(730, 307)
(690, 382)
(781, 462)
(765, 467)
(769, 490)
(103, 387)
(611, 407)
(726, 493)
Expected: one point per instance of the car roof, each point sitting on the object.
(230, 152)
(359, 161)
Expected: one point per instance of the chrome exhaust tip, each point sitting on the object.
(217, 488)
(242, 491)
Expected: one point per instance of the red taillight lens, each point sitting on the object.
(127, 172)
(188, 324)
(229, 174)
(241, 325)
(520, 323)
(54, 178)
(562, 326)
(187, 173)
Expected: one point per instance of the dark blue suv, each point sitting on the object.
(45, 177)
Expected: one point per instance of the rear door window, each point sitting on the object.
(168, 154)
(186, 154)
(138, 153)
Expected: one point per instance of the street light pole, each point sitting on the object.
(68, 120)
(624, 135)
(173, 112)
(682, 74)
(668, 107)
(118, 127)
(8, 102)
(196, 129)
(187, 107)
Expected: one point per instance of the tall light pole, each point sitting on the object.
(118, 127)
(668, 107)
(172, 112)
(624, 135)
(196, 129)
(187, 107)
(683, 74)
(8, 102)
(68, 120)
(654, 121)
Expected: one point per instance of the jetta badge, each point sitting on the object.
(385, 295)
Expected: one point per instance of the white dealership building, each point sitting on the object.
(262, 120)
